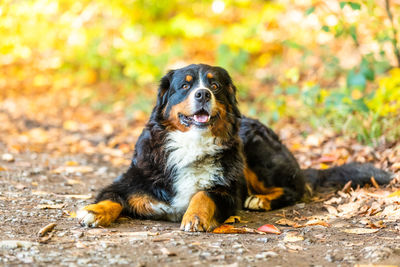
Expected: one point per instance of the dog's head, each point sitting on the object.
(197, 96)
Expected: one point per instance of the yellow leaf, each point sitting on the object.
(395, 194)
(233, 219)
(323, 166)
(71, 163)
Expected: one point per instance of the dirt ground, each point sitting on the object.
(32, 196)
(50, 166)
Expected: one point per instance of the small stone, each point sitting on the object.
(205, 254)
(266, 254)
(237, 246)
(262, 240)
(7, 157)
(376, 253)
(13, 244)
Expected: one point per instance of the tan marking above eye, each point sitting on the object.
(189, 78)
(210, 75)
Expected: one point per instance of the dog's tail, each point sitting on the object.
(357, 173)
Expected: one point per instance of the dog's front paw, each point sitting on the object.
(99, 214)
(196, 223)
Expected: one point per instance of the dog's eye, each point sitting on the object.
(214, 86)
(185, 86)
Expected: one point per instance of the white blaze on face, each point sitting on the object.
(202, 118)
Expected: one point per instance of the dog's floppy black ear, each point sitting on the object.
(231, 91)
(165, 84)
(233, 100)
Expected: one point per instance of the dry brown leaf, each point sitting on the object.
(317, 222)
(293, 237)
(377, 225)
(50, 206)
(346, 188)
(74, 181)
(46, 229)
(230, 229)
(360, 231)
(331, 209)
(287, 222)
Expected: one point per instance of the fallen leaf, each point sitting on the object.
(49, 206)
(360, 231)
(230, 229)
(46, 229)
(73, 181)
(71, 163)
(396, 166)
(293, 237)
(287, 222)
(346, 188)
(71, 214)
(79, 244)
(327, 158)
(324, 166)
(377, 225)
(317, 222)
(233, 219)
(332, 210)
(395, 194)
(269, 228)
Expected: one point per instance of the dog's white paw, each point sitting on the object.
(102, 213)
(86, 218)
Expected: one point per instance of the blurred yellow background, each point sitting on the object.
(324, 62)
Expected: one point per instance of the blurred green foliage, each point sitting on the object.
(330, 63)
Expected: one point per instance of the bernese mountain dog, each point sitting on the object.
(198, 160)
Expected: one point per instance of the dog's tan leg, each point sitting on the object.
(200, 214)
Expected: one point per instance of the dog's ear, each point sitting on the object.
(233, 100)
(165, 84)
(231, 92)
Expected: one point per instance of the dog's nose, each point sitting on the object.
(202, 95)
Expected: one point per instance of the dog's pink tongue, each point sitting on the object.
(201, 118)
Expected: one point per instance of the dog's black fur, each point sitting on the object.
(249, 166)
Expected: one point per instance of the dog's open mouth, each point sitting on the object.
(201, 118)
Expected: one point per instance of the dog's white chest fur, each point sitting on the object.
(192, 160)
